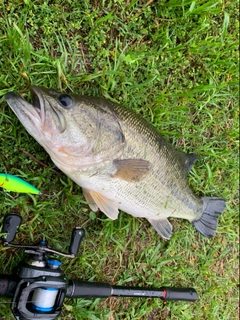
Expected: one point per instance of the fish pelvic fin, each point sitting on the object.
(212, 209)
(90, 200)
(98, 201)
(163, 227)
(131, 170)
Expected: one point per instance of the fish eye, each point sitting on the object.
(65, 100)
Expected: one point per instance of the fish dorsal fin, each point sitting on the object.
(187, 160)
(131, 170)
(97, 200)
(163, 227)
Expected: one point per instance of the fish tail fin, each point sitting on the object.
(212, 209)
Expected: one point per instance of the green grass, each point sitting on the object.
(175, 63)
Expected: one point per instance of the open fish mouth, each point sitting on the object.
(37, 102)
(41, 112)
(36, 98)
(25, 110)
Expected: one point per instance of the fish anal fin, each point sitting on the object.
(187, 160)
(163, 227)
(97, 200)
(131, 170)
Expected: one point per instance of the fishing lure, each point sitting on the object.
(16, 184)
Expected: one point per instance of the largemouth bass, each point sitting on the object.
(119, 159)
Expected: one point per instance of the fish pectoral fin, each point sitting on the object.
(163, 227)
(98, 201)
(131, 170)
(187, 160)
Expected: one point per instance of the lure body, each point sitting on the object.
(16, 184)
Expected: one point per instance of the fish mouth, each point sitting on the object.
(25, 110)
(36, 98)
(37, 102)
(40, 113)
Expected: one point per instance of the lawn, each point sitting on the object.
(176, 64)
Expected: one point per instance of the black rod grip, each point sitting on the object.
(84, 289)
(188, 294)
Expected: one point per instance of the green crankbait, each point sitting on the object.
(15, 184)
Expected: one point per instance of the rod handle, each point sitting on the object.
(85, 289)
(8, 285)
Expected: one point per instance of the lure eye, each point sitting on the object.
(65, 100)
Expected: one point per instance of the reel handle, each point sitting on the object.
(77, 237)
(11, 223)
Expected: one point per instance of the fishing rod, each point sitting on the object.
(38, 287)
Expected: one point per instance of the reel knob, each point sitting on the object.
(11, 223)
(77, 237)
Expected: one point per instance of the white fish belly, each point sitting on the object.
(142, 200)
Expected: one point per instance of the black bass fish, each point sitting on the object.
(119, 159)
